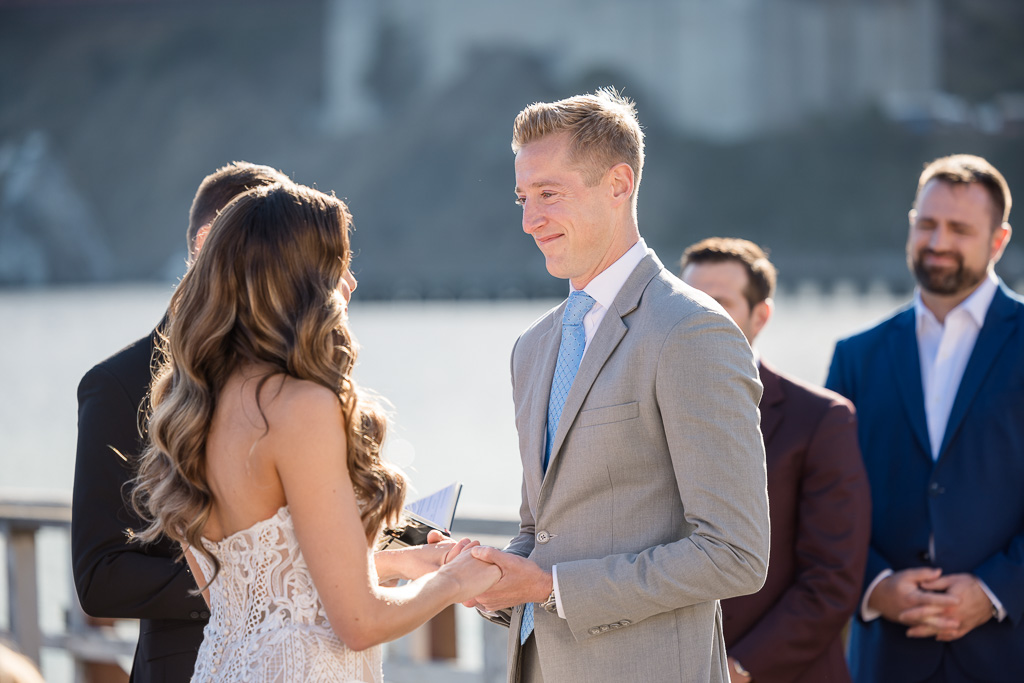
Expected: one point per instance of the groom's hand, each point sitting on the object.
(521, 581)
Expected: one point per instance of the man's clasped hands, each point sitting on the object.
(932, 604)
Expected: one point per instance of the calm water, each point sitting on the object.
(443, 366)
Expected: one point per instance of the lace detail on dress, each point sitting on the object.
(267, 623)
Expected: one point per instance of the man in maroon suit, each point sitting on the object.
(791, 630)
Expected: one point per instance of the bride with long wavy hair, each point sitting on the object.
(264, 458)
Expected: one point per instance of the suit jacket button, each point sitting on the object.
(625, 622)
(543, 537)
(594, 631)
(204, 614)
(194, 615)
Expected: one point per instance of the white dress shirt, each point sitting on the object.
(944, 349)
(603, 289)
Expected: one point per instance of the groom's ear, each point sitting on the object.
(200, 239)
(621, 182)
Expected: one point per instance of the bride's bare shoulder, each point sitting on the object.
(306, 434)
(298, 404)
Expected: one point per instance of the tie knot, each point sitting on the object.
(579, 303)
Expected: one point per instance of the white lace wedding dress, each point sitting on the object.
(267, 623)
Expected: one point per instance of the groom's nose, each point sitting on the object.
(533, 218)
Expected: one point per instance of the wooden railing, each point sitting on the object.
(23, 516)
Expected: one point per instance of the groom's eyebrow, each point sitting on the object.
(540, 183)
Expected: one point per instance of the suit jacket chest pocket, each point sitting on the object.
(609, 415)
(609, 434)
(614, 436)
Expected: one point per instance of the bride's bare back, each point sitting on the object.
(239, 458)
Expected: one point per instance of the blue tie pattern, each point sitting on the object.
(570, 353)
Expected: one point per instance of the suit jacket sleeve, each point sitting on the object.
(841, 380)
(707, 393)
(113, 577)
(834, 524)
(523, 543)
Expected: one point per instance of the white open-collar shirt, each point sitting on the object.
(606, 286)
(944, 349)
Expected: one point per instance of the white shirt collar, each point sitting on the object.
(976, 305)
(606, 285)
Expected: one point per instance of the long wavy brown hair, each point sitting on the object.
(264, 289)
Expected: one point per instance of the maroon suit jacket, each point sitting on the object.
(820, 506)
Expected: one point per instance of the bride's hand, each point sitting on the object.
(415, 561)
(452, 548)
(472, 575)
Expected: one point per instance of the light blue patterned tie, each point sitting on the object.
(570, 353)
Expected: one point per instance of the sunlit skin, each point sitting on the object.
(725, 282)
(201, 235)
(953, 242)
(347, 285)
(580, 229)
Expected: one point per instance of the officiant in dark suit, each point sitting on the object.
(819, 501)
(115, 578)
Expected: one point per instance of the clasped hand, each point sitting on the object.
(521, 581)
(488, 578)
(933, 605)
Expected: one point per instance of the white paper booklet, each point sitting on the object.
(439, 507)
(436, 511)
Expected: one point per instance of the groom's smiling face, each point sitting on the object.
(569, 220)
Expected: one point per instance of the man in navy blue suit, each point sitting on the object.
(939, 392)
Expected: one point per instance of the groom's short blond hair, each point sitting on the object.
(603, 128)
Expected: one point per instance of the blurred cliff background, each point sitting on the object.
(801, 124)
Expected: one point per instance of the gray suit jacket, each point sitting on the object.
(654, 506)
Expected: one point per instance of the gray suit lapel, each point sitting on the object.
(606, 339)
(536, 400)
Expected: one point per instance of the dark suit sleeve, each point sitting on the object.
(115, 578)
(840, 380)
(838, 376)
(833, 526)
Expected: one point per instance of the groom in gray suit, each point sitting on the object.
(644, 497)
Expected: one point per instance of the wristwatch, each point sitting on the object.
(739, 668)
(550, 605)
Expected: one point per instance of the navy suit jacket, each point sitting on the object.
(971, 498)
